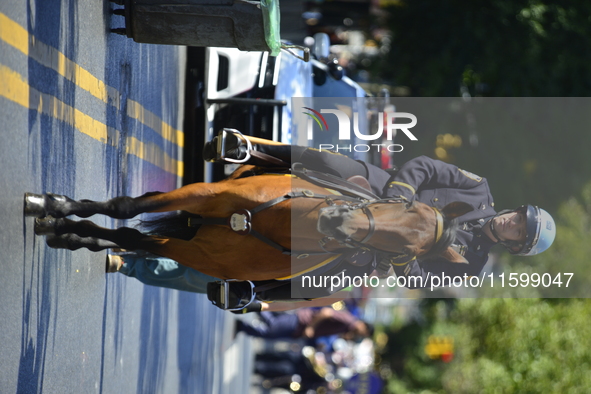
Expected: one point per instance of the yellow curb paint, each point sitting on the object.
(14, 88)
(15, 35)
(152, 153)
(136, 111)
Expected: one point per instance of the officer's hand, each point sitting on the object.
(254, 306)
(309, 332)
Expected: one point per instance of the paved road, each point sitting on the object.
(93, 115)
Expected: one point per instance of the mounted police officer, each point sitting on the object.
(527, 230)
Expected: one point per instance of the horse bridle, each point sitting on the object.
(439, 227)
(372, 223)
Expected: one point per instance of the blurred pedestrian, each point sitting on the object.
(307, 323)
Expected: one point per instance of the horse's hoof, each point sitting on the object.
(56, 242)
(45, 226)
(34, 205)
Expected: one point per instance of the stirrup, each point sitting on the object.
(231, 294)
(221, 146)
(217, 149)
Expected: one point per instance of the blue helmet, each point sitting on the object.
(541, 231)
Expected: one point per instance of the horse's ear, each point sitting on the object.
(456, 209)
(452, 256)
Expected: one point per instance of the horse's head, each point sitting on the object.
(414, 229)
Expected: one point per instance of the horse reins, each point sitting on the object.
(439, 225)
(331, 181)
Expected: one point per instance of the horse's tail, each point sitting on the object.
(170, 225)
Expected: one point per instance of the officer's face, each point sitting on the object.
(510, 226)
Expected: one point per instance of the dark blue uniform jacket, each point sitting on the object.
(436, 183)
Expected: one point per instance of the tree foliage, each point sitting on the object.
(493, 47)
(571, 249)
(502, 346)
(510, 344)
(517, 346)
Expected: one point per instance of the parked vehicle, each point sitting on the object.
(252, 92)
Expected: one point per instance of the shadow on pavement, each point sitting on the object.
(153, 339)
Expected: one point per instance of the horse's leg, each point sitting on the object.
(41, 205)
(70, 234)
(236, 257)
(75, 242)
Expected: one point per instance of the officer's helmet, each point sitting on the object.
(541, 231)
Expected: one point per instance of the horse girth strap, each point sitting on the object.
(372, 225)
(240, 221)
(439, 226)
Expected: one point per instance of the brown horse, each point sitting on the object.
(288, 228)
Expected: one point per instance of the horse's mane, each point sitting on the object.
(450, 229)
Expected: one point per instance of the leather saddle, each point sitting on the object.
(360, 181)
